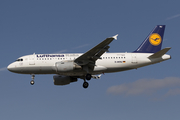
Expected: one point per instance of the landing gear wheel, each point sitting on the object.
(88, 77)
(85, 85)
(32, 82)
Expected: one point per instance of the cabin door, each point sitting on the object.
(32, 59)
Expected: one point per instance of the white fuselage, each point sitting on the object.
(109, 62)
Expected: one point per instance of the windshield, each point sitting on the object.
(19, 59)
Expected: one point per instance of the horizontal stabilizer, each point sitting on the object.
(160, 53)
(96, 76)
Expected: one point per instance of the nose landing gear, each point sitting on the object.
(32, 81)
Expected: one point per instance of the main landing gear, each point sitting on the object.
(32, 81)
(87, 77)
(85, 84)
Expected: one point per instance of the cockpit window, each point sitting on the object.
(19, 60)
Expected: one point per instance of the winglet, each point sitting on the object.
(115, 37)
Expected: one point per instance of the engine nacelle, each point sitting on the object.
(63, 80)
(65, 66)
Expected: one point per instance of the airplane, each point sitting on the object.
(70, 67)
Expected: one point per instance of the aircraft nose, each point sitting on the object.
(13, 67)
(9, 67)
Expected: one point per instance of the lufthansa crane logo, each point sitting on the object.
(155, 39)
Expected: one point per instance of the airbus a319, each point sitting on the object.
(70, 67)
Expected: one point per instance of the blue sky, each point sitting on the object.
(44, 26)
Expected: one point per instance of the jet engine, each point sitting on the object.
(63, 80)
(65, 66)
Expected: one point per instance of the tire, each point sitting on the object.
(32, 82)
(85, 85)
(88, 77)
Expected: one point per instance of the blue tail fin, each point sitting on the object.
(153, 41)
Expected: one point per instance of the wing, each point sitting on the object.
(90, 57)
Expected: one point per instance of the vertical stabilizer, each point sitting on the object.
(153, 41)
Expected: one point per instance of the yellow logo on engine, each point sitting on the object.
(155, 39)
